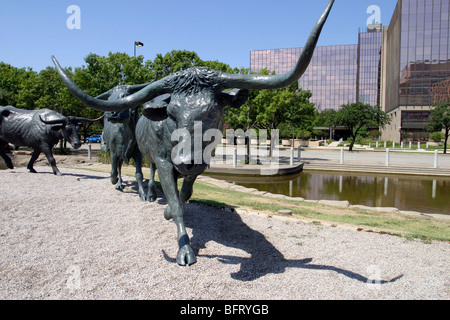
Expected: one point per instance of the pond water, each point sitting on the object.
(410, 193)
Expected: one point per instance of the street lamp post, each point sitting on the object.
(137, 44)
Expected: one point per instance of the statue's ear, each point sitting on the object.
(235, 98)
(156, 109)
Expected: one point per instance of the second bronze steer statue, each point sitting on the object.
(37, 129)
(195, 105)
(120, 139)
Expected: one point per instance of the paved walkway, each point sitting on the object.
(329, 158)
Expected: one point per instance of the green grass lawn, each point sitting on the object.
(393, 223)
(407, 226)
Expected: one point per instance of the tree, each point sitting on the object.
(11, 80)
(358, 115)
(268, 109)
(27, 89)
(439, 120)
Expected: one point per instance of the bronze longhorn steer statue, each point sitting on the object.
(37, 129)
(194, 103)
(119, 137)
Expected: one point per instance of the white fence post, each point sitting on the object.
(342, 155)
(436, 159)
(387, 157)
(234, 157)
(299, 155)
(291, 160)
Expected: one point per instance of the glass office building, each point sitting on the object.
(337, 75)
(403, 67)
(416, 72)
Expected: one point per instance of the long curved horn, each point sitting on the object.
(130, 88)
(149, 92)
(56, 121)
(280, 81)
(136, 87)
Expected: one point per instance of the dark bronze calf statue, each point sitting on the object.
(37, 129)
(194, 102)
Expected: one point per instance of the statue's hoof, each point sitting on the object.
(186, 256)
(119, 187)
(167, 213)
(151, 197)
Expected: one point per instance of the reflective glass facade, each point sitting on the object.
(424, 52)
(369, 66)
(337, 75)
(416, 66)
(403, 67)
(331, 75)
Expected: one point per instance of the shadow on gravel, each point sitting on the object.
(228, 229)
(84, 176)
(79, 176)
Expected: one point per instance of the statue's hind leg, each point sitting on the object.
(33, 159)
(139, 176)
(151, 194)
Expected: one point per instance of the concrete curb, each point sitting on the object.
(255, 170)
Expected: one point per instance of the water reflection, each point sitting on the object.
(414, 193)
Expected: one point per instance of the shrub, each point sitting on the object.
(437, 136)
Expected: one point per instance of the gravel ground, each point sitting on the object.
(76, 237)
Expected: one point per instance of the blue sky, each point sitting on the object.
(32, 31)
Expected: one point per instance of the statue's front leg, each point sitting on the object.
(119, 185)
(175, 211)
(116, 164)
